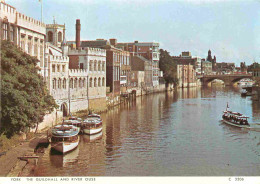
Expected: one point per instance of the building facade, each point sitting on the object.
(148, 50)
(93, 61)
(25, 32)
(186, 76)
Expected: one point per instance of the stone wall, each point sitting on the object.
(98, 104)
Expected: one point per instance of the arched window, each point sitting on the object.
(59, 84)
(80, 83)
(99, 82)
(103, 81)
(91, 66)
(99, 65)
(95, 65)
(59, 37)
(103, 66)
(54, 83)
(95, 82)
(90, 82)
(50, 36)
(83, 83)
(71, 82)
(75, 83)
(64, 83)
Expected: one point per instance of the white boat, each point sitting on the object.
(92, 125)
(77, 123)
(64, 138)
(235, 119)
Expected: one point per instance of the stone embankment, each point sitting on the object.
(22, 159)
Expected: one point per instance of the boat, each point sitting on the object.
(235, 119)
(92, 125)
(77, 122)
(64, 138)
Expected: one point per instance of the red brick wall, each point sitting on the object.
(74, 62)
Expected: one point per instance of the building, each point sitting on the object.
(55, 34)
(24, 31)
(185, 58)
(213, 61)
(148, 50)
(139, 63)
(186, 75)
(206, 67)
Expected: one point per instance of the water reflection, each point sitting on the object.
(177, 133)
(60, 160)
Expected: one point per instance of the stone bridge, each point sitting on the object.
(228, 79)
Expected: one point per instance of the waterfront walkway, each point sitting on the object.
(10, 159)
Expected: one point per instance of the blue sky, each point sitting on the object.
(230, 28)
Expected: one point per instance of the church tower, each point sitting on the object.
(209, 58)
(55, 33)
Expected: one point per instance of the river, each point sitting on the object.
(166, 134)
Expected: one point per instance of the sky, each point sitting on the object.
(229, 28)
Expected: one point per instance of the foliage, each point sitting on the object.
(252, 66)
(168, 66)
(24, 96)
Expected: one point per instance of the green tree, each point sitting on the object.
(168, 66)
(24, 96)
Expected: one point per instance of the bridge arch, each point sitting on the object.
(228, 79)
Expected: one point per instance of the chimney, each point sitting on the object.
(78, 33)
(113, 41)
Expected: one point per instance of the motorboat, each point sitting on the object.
(235, 119)
(64, 138)
(92, 125)
(77, 122)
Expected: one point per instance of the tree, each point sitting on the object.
(168, 66)
(24, 96)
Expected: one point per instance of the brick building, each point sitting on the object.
(186, 75)
(148, 50)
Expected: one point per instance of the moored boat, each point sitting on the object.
(75, 122)
(235, 119)
(92, 125)
(64, 138)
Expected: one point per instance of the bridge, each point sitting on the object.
(228, 79)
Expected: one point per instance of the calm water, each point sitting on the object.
(166, 134)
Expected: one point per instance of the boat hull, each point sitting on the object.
(92, 131)
(64, 147)
(235, 125)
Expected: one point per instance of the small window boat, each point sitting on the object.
(235, 119)
(64, 138)
(92, 125)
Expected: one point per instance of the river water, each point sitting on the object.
(166, 134)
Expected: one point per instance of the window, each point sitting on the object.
(59, 84)
(80, 84)
(103, 81)
(99, 66)
(103, 66)
(53, 68)
(95, 82)
(36, 47)
(50, 36)
(54, 83)
(90, 82)
(5, 31)
(59, 37)
(91, 66)
(64, 84)
(29, 45)
(99, 82)
(81, 65)
(63, 68)
(95, 65)
(83, 83)
(58, 68)
(71, 83)
(76, 83)
(12, 33)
